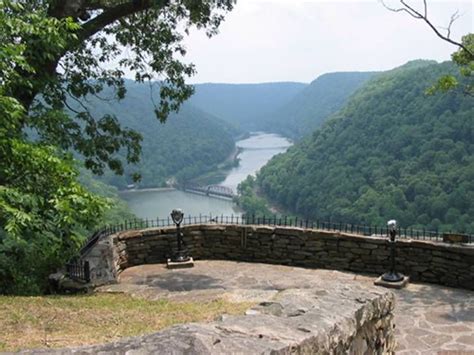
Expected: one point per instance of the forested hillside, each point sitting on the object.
(190, 143)
(391, 152)
(313, 105)
(243, 104)
(117, 210)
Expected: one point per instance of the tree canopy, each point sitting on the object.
(56, 52)
(72, 49)
(463, 57)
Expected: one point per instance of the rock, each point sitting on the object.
(272, 308)
(67, 285)
(54, 281)
(299, 321)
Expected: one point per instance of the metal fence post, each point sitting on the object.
(87, 271)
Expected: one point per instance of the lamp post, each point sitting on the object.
(180, 255)
(392, 275)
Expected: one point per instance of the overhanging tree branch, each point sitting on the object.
(424, 16)
(111, 15)
(454, 17)
(74, 34)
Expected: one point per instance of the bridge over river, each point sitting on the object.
(210, 190)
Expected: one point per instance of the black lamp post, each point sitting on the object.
(179, 255)
(392, 275)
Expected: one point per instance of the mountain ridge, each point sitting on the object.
(390, 152)
(309, 108)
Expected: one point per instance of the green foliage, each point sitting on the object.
(391, 152)
(80, 37)
(310, 107)
(249, 201)
(465, 62)
(189, 144)
(117, 211)
(44, 212)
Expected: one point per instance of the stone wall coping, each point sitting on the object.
(468, 248)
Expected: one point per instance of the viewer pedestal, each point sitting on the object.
(388, 284)
(180, 265)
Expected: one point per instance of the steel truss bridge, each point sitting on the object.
(210, 190)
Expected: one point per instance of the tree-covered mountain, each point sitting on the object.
(391, 152)
(315, 103)
(191, 142)
(244, 105)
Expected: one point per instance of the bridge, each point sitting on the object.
(210, 190)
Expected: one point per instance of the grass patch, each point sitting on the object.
(59, 321)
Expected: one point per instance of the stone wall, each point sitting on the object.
(102, 261)
(434, 262)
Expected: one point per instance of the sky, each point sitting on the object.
(297, 40)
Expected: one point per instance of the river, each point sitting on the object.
(256, 150)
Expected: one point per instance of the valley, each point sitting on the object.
(169, 171)
(254, 152)
(367, 146)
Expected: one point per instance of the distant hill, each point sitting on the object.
(243, 104)
(312, 106)
(390, 152)
(190, 143)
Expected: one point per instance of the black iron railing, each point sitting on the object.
(362, 229)
(78, 270)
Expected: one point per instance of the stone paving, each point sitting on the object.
(430, 319)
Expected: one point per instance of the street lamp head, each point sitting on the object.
(392, 225)
(177, 215)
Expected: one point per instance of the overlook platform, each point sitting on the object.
(429, 319)
(310, 281)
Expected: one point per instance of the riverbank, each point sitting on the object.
(223, 169)
(150, 189)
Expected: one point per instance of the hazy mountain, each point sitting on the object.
(244, 104)
(314, 104)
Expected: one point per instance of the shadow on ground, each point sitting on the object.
(180, 281)
(448, 303)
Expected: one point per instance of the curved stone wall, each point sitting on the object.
(434, 262)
